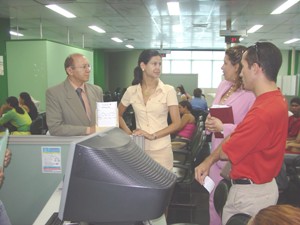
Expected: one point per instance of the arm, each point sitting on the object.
(25, 107)
(175, 124)
(298, 138)
(4, 108)
(8, 116)
(6, 162)
(213, 124)
(202, 170)
(184, 120)
(122, 124)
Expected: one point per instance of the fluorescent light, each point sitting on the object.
(173, 8)
(292, 41)
(129, 46)
(284, 6)
(177, 28)
(16, 33)
(98, 29)
(116, 39)
(61, 11)
(254, 28)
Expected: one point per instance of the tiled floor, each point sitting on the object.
(189, 205)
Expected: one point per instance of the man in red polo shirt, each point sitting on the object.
(256, 147)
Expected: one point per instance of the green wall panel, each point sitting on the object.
(35, 65)
(121, 67)
(99, 68)
(4, 36)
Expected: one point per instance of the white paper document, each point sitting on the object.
(209, 184)
(107, 114)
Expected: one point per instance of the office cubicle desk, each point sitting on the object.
(53, 203)
(26, 189)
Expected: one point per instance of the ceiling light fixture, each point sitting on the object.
(16, 33)
(129, 46)
(254, 28)
(116, 39)
(61, 11)
(285, 6)
(177, 28)
(156, 25)
(97, 29)
(173, 8)
(292, 41)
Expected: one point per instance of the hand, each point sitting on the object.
(7, 157)
(1, 176)
(139, 132)
(201, 172)
(213, 124)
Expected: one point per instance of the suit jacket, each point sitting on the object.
(64, 112)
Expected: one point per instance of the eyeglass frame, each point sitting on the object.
(87, 66)
(257, 54)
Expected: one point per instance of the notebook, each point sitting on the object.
(224, 113)
(3, 147)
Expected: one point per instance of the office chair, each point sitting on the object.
(183, 149)
(39, 125)
(184, 168)
(221, 194)
(239, 219)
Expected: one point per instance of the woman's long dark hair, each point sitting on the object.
(144, 57)
(13, 102)
(182, 90)
(33, 113)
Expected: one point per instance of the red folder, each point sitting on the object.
(223, 113)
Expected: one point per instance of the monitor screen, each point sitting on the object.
(110, 179)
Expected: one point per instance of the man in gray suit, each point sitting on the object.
(71, 105)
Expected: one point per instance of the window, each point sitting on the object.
(207, 64)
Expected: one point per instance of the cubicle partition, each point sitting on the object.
(37, 166)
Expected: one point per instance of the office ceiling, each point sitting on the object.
(147, 24)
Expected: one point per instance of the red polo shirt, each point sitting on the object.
(256, 147)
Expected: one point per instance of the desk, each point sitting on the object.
(52, 206)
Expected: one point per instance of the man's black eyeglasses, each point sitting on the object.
(257, 52)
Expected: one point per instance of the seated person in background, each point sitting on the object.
(26, 103)
(198, 102)
(16, 119)
(293, 140)
(277, 215)
(182, 94)
(187, 126)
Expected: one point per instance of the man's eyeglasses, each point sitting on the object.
(257, 52)
(82, 67)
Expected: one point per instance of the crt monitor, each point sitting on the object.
(109, 179)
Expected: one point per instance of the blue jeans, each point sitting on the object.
(4, 220)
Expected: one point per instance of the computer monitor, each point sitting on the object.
(109, 179)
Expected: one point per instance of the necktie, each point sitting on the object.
(78, 91)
